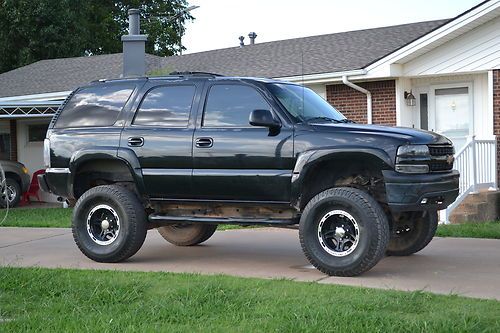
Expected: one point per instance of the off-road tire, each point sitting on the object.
(373, 231)
(187, 234)
(422, 231)
(132, 229)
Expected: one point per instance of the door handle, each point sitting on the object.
(204, 142)
(136, 141)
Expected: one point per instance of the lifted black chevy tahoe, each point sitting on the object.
(186, 152)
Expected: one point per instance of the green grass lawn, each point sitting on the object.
(37, 217)
(471, 230)
(61, 218)
(34, 299)
(50, 218)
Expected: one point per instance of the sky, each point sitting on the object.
(219, 23)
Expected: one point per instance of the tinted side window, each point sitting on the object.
(94, 106)
(166, 106)
(230, 105)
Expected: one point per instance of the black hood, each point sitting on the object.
(405, 134)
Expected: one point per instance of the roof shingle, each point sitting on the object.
(309, 55)
(292, 57)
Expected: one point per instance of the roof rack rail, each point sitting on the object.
(131, 78)
(194, 74)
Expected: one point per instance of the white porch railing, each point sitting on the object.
(476, 162)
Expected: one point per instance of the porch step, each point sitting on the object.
(478, 207)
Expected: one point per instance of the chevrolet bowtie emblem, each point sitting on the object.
(450, 159)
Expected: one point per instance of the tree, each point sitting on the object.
(45, 29)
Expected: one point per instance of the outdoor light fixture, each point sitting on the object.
(410, 99)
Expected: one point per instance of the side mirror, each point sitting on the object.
(263, 118)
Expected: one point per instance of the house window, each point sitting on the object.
(453, 113)
(37, 132)
(424, 112)
(4, 140)
(4, 146)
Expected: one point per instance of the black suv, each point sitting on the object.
(186, 152)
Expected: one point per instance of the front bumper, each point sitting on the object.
(433, 191)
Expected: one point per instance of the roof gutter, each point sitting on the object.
(364, 91)
(321, 77)
(56, 96)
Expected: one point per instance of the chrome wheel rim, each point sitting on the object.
(11, 193)
(103, 224)
(338, 233)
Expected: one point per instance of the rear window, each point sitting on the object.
(94, 106)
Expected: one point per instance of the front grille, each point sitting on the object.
(440, 166)
(441, 156)
(441, 150)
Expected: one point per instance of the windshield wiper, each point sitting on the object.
(308, 120)
(347, 121)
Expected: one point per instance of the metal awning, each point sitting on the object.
(25, 109)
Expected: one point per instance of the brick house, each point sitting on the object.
(439, 75)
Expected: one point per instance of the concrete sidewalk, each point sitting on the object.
(468, 267)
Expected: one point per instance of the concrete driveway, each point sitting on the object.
(468, 267)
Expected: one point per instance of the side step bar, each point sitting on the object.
(168, 219)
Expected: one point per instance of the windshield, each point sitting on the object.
(304, 105)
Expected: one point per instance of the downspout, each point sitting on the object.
(364, 91)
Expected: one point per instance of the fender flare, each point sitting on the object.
(308, 159)
(107, 153)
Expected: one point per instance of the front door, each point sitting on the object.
(160, 134)
(234, 160)
(451, 113)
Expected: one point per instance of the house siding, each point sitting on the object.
(352, 103)
(496, 116)
(473, 51)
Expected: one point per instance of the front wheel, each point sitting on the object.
(343, 231)
(109, 223)
(412, 232)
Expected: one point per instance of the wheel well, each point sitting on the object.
(14, 176)
(362, 171)
(101, 172)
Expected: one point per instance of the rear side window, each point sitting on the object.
(230, 105)
(167, 106)
(94, 106)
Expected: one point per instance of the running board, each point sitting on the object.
(168, 219)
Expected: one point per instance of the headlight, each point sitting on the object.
(413, 150)
(413, 159)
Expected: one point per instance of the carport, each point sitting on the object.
(23, 124)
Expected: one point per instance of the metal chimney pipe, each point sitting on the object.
(252, 37)
(134, 23)
(242, 43)
(134, 47)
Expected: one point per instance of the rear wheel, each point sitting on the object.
(109, 223)
(412, 232)
(187, 234)
(343, 231)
